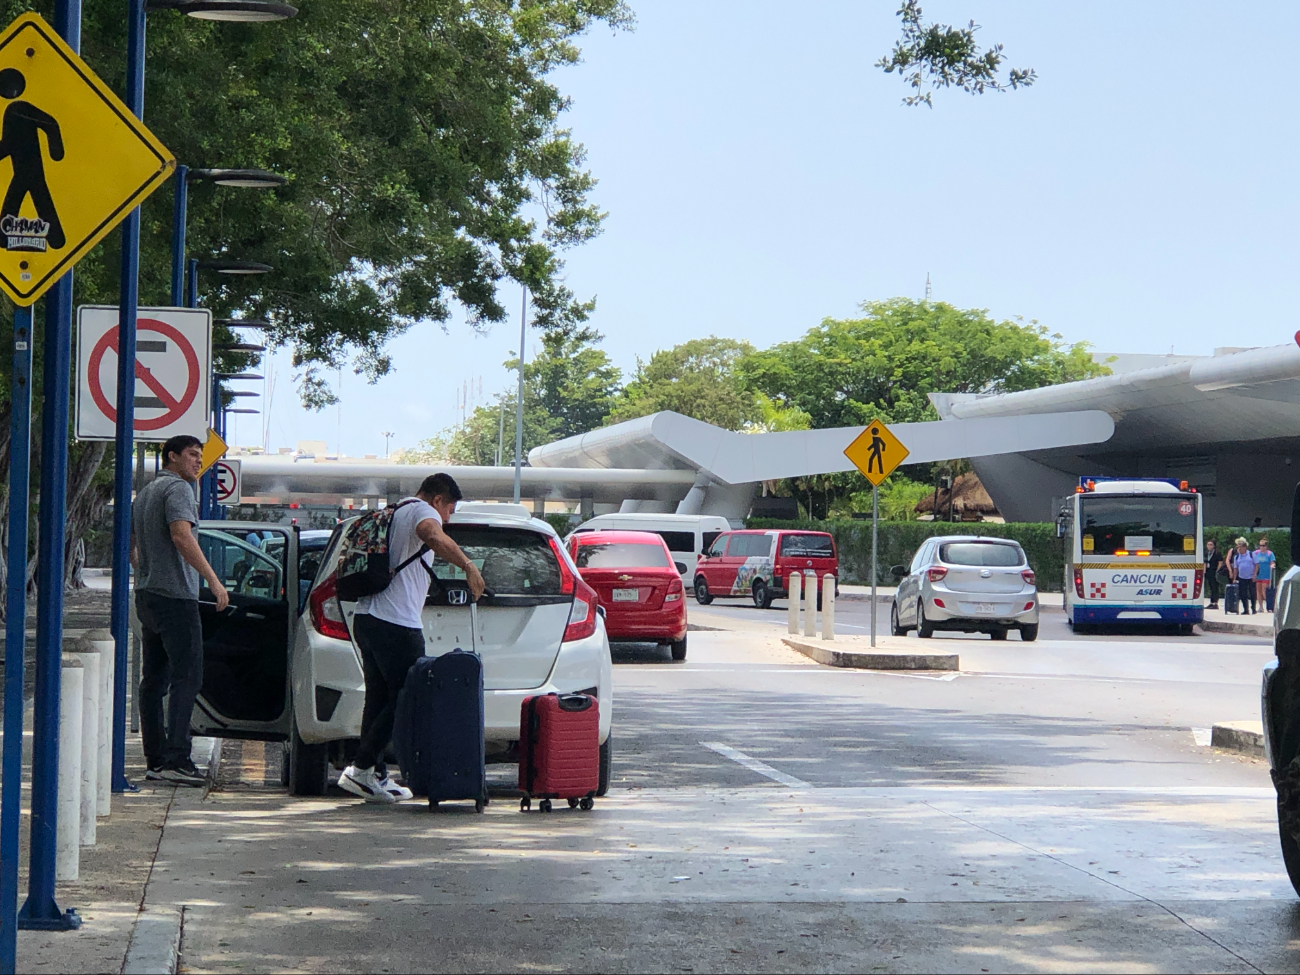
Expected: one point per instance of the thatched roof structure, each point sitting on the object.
(969, 499)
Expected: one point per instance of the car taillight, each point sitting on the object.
(674, 591)
(326, 613)
(582, 617)
(1027, 575)
(1196, 586)
(1078, 582)
(936, 573)
(672, 597)
(567, 579)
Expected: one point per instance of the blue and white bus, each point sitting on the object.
(1132, 553)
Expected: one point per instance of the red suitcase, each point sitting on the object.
(559, 750)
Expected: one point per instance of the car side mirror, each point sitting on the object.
(898, 571)
(681, 568)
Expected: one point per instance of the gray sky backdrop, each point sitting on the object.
(761, 174)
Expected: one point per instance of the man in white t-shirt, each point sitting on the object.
(387, 627)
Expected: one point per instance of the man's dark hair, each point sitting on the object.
(440, 485)
(177, 445)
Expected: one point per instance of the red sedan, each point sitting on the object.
(637, 584)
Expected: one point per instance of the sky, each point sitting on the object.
(760, 174)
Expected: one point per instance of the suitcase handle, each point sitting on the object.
(575, 702)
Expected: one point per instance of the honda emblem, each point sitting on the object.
(458, 597)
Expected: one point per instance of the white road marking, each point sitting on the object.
(754, 765)
(1202, 736)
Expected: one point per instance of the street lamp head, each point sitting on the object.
(259, 323)
(235, 267)
(237, 11)
(255, 179)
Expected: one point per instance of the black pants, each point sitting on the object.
(1245, 593)
(387, 653)
(1212, 587)
(173, 668)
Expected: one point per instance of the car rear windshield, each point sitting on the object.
(807, 546)
(980, 553)
(514, 561)
(1159, 525)
(679, 541)
(621, 555)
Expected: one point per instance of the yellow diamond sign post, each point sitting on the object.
(74, 160)
(875, 452)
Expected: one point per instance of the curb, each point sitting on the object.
(1246, 737)
(874, 661)
(1241, 629)
(155, 943)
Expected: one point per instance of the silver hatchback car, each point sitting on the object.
(966, 583)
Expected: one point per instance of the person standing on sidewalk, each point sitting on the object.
(388, 631)
(1212, 562)
(1243, 574)
(168, 564)
(1264, 560)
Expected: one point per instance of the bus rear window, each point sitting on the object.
(1108, 523)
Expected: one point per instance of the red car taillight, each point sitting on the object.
(936, 573)
(1196, 586)
(326, 613)
(1027, 575)
(582, 617)
(1078, 582)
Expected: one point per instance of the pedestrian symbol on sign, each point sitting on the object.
(20, 142)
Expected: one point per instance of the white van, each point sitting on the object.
(687, 535)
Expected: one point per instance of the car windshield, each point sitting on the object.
(980, 553)
(621, 555)
(1158, 525)
(807, 546)
(514, 561)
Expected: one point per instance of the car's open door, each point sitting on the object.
(246, 646)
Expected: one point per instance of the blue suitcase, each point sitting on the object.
(1231, 600)
(438, 729)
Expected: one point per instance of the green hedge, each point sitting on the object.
(899, 541)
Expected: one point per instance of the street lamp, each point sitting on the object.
(235, 11)
(387, 437)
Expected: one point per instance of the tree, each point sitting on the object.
(847, 372)
(698, 378)
(940, 56)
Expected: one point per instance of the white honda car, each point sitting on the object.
(283, 667)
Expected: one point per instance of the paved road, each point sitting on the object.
(1047, 808)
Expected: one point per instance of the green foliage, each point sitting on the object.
(700, 379)
(941, 56)
(846, 373)
(898, 499)
(560, 522)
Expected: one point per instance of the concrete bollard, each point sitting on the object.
(810, 604)
(795, 583)
(92, 690)
(67, 846)
(103, 641)
(828, 607)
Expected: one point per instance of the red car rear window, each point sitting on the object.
(807, 546)
(621, 555)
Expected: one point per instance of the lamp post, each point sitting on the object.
(246, 11)
(387, 435)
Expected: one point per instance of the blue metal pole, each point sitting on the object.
(207, 483)
(20, 433)
(124, 442)
(179, 213)
(193, 276)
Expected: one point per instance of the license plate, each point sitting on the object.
(989, 608)
(626, 595)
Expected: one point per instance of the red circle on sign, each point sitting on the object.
(176, 405)
(1186, 508)
(225, 488)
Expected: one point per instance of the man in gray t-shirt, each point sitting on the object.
(168, 565)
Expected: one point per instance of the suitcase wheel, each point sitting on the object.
(544, 805)
(479, 804)
(573, 803)
(586, 803)
(525, 804)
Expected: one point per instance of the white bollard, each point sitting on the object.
(92, 689)
(103, 641)
(67, 846)
(810, 604)
(828, 607)
(795, 582)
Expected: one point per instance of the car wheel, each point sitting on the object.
(898, 628)
(702, 595)
(998, 634)
(1186, 629)
(1029, 633)
(606, 764)
(678, 648)
(924, 628)
(762, 595)
(309, 767)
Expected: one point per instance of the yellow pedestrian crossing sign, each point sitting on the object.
(876, 452)
(214, 448)
(74, 160)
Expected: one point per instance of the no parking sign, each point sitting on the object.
(173, 372)
(229, 488)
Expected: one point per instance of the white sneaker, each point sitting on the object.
(398, 792)
(362, 782)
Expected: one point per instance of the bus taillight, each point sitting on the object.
(1196, 586)
(1078, 582)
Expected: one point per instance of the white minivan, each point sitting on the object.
(687, 535)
